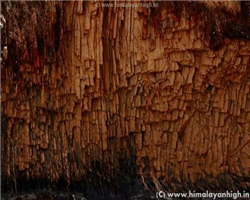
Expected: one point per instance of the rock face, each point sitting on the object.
(95, 96)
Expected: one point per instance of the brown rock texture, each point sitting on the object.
(95, 95)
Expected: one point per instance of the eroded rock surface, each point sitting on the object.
(101, 97)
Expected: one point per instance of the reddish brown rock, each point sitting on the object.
(159, 93)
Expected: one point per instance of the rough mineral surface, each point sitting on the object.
(109, 97)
